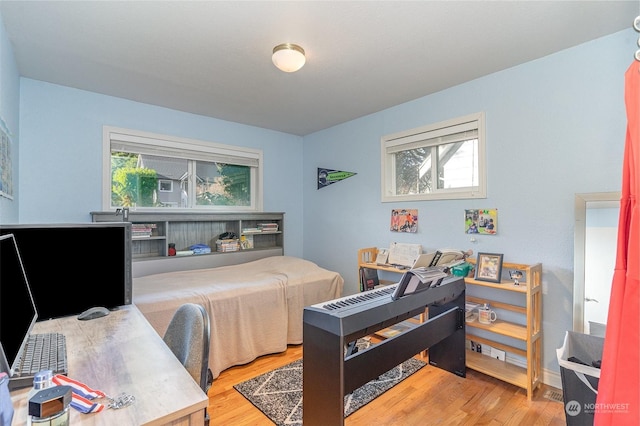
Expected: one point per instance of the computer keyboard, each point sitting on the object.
(43, 352)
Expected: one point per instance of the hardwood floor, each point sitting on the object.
(429, 397)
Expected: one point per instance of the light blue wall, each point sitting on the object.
(554, 127)
(9, 113)
(61, 152)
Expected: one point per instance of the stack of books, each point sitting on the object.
(142, 230)
(224, 246)
(268, 227)
(251, 230)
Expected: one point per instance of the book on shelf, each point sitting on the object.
(396, 329)
(404, 254)
(382, 257)
(419, 279)
(427, 274)
(368, 279)
(251, 230)
(227, 245)
(268, 227)
(246, 241)
(142, 230)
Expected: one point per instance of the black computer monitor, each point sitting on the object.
(17, 308)
(74, 267)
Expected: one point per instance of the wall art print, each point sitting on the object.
(404, 220)
(481, 221)
(327, 177)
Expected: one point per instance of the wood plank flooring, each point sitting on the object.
(429, 397)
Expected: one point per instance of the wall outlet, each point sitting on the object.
(498, 354)
(474, 346)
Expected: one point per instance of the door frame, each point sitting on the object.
(579, 235)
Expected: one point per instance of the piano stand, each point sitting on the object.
(329, 375)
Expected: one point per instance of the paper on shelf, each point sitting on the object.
(404, 254)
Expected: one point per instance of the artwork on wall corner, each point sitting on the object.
(481, 221)
(6, 171)
(327, 177)
(404, 220)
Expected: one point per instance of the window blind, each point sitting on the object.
(189, 151)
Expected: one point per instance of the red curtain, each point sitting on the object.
(618, 400)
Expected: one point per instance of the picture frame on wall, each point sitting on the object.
(489, 267)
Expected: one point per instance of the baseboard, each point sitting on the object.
(551, 378)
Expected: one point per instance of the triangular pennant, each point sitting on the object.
(327, 176)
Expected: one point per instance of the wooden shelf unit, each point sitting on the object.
(151, 254)
(367, 259)
(530, 334)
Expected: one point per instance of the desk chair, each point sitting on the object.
(188, 337)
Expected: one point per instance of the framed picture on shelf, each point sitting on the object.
(489, 267)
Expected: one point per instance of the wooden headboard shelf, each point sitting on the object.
(156, 231)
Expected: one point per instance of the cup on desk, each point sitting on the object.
(486, 316)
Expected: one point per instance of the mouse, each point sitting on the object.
(93, 313)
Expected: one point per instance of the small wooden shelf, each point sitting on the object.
(501, 370)
(502, 327)
(529, 333)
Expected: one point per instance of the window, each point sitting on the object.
(150, 172)
(165, 185)
(441, 161)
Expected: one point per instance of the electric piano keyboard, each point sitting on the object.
(361, 298)
(329, 374)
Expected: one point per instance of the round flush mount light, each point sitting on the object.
(288, 57)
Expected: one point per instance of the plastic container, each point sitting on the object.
(579, 381)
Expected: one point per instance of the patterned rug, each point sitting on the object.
(278, 393)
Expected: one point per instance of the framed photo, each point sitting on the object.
(489, 267)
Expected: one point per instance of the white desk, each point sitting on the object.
(122, 353)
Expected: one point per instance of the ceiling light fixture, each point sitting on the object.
(288, 57)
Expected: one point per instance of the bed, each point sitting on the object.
(255, 308)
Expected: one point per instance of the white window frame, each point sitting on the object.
(429, 136)
(175, 147)
(162, 182)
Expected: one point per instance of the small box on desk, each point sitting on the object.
(50, 402)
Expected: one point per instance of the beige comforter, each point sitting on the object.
(255, 308)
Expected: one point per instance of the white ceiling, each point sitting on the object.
(213, 58)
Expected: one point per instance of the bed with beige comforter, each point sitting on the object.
(255, 308)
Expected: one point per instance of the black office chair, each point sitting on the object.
(188, 337)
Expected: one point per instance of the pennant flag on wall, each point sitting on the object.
(327, 176)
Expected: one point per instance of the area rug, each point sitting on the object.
(278, 393)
